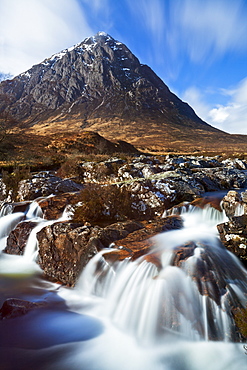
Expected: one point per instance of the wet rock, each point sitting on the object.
(14, 307)
(207, 201)
(231, 202)
(64, 251)
(53, 207)
(233, 235)
(105, 236)
(65, 248)
(138, 243)
(207, 266)
(17, 239)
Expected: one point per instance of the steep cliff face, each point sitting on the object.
(99, 85)
(99, 77)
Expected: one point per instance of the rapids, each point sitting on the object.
(174, 314)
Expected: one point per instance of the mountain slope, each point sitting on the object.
(100, 85)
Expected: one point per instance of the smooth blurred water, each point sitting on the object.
(130, 314)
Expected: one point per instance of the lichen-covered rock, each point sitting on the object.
(233, 235)
(43, 184)
(65, 248)
(231, 203)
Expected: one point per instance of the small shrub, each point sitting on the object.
(105, 203)
(70, 168)
(12, 180)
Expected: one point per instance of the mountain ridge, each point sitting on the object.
(100, 85)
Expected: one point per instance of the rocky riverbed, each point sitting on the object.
(160, 188)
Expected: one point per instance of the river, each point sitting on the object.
(130, 315)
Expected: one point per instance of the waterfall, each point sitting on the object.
(34, 213)
(189, 297)
(173, 314)
(25, 264)
(8, 223)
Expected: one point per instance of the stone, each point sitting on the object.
(44, 184)
(14, 307)
(233, 235)
(230, 202)
(17, 239)
(53, 207)
(65, 248)
(64, 251)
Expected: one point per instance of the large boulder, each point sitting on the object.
(140, 242)
(65, 248)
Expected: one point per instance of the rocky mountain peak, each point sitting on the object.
(96, 82)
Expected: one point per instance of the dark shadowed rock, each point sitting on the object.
(17, 239)
(14, 307)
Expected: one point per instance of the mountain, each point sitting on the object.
(100, 85)
(5, 76)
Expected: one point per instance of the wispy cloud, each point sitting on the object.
(207, 29)
(31, 30)
(97, 5)
(230, 117)
(150, 17)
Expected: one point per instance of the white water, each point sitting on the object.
(153, 317)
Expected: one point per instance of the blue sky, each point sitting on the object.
(197, 47)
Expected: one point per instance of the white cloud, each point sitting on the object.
(230, 117)
(196, 99)
(207, 29)
(32, 30)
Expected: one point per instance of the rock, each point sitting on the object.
(214, 179)
(138, 243)
(207, 266)
(53, 207)
(207, 201)
(233, 235)
(43, 184)
(14, 307)
(115, 231)
(64, 251)
(231, 202)
(17, 239)
(65, 248)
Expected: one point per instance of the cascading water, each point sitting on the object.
(176, 313)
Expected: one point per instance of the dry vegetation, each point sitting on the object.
(105, 203)
(51, 150)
